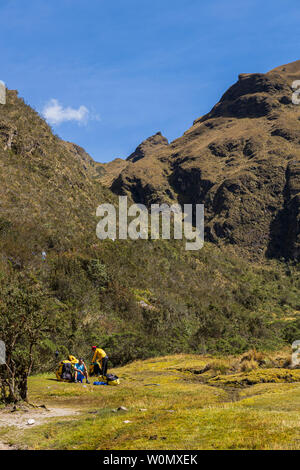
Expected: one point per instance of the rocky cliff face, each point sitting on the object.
(241, 160)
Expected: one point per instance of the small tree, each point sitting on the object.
(26, 318)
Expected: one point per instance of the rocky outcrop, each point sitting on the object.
(148, 146)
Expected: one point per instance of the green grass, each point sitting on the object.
(182, 412)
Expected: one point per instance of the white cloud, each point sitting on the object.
(55, 113)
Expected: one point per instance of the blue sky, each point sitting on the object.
(111, 73)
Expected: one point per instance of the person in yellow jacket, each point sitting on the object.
(100, 361)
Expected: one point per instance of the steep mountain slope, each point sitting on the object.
(47, 187)
(242, 160)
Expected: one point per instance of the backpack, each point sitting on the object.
(112, 379)
(67, 372)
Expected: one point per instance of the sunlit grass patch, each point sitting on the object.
(169, 406)
(283, 397)
(210, 428)
(257, 376)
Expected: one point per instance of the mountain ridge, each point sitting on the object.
(241, 160)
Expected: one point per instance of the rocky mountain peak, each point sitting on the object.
(147, 147)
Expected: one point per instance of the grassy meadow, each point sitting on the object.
(176, 402)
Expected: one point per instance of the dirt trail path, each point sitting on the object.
(6, 447)
(19, 419)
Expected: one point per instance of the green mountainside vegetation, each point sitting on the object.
(137, 299)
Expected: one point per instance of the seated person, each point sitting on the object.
(80, 371)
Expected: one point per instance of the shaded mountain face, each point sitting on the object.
(241, 160)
